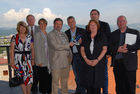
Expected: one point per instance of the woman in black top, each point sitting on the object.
(93, 49)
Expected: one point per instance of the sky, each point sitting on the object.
(12, 11)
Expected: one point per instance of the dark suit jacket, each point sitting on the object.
(129, 58)
(79, 31)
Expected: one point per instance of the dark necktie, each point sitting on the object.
(122, 40)
(32, 32)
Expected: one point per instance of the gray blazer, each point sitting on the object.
(60, 54)
(40, 53)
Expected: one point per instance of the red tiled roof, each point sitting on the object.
(3, 61)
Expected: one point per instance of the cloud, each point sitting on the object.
(11, 17)
(48, 15)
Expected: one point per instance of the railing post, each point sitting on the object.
(8, 57)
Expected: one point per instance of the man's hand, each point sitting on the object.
(80, 40)
(122, 49)
(71, 44)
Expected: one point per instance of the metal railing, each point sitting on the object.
(8, 58)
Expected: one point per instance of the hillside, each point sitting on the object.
(4, 31)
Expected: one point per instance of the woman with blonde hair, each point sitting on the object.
(22, 56)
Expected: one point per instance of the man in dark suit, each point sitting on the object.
(124, 56)
(104, 28)
(33, 29)
(74, 35)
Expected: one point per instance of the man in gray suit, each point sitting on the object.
(60, 57)
(32, 30)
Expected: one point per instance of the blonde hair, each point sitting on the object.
(22, 23)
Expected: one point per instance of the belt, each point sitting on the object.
(22, 52)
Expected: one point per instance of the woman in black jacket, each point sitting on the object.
(93, 49)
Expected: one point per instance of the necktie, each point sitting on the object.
(122, 40)
(32, 32)
(92, 46)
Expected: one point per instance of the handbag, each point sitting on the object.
(15, 81)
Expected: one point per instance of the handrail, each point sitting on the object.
(8, 57)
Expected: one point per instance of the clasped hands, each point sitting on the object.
(91, 62)
(122, 49)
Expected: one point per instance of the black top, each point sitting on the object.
(93, 76)
(104, 28)
(99, 41)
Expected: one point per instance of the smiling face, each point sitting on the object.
(93, 26)
(122, 22)
(94, 15)
(22, 29)
(58, 25)
(42, 25)
(30, 20)
(72, 23)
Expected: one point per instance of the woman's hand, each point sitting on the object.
(94, 62)
(12, 65)
(89, 62)
(32, 62)
(40, 65)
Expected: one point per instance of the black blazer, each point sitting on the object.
(93, 76)
(104, 28)
(79, 31)
(129, 58)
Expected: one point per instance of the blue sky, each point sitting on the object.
(12, 11)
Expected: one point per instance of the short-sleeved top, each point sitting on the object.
(93, 76)
(99, 41)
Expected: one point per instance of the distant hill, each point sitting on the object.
(8, 31)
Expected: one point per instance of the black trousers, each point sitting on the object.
(35, 79)
(45, 80)
(125, 80)
(91, 90)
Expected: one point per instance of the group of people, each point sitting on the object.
(43, 59)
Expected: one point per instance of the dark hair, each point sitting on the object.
(57, 19)
(98, 25)
(44, 20)
(70, 17)
(29, 15)
(95, 10)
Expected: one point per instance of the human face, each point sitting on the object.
(58, 25)
(42, 25)
(22, 29)
(72, 23)
(122, 23)
(93, 26)
(31, 20)
(94, 15)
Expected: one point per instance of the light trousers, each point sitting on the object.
(61, 75)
